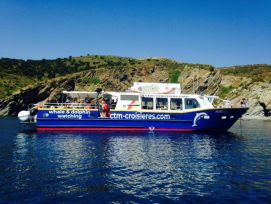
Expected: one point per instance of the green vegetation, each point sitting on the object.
(224, 91)
(257, 72)
(86, 80)
(16, 74)
(174, 72)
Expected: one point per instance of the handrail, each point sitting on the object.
(66, 106)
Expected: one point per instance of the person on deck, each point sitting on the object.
(105, 110)
(246, 103)
(227, 103)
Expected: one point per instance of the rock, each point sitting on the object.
(50, 91)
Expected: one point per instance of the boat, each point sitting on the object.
(144, 107)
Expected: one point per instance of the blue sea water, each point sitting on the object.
(65, 167)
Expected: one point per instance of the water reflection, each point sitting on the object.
(169, 164)
(145, 165)
(165, 164)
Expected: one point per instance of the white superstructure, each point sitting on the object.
(156, 88)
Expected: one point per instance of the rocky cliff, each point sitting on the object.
(227, 83)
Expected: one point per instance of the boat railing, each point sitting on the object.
(66, 106)
(63, 106)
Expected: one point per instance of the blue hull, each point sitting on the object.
(200, 120)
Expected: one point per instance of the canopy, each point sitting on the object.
(156, 88)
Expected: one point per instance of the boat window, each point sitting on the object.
(129, 97)
(176, 104)
(191, 103)
(161, 103)
(147, 103)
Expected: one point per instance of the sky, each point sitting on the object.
(216, 32)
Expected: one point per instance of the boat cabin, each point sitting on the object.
(145, 97)
(159, 102)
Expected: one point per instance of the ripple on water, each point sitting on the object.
(136, 167)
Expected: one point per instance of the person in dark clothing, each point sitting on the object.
(266, 111)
